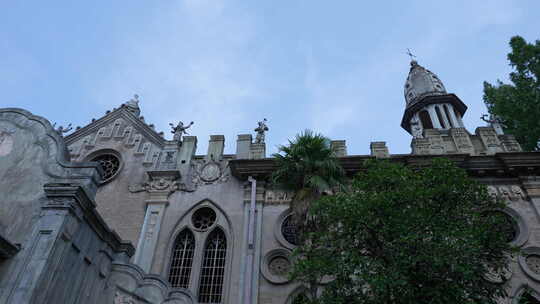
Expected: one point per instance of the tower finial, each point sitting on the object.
(411, 55)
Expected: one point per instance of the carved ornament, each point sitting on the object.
(508, 193)
(206, 173)
(161, 181)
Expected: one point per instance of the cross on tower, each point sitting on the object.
(410, 54)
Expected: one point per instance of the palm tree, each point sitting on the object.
(308, 167)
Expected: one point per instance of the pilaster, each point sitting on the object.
(160, 186)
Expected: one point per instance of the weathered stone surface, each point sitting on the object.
(66, 249)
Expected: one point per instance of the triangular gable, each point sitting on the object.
(121, 125)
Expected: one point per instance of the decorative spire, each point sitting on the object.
(421, 83)
(133, 105)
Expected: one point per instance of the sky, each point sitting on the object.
(336, 67)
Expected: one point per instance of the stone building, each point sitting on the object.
(116, 213)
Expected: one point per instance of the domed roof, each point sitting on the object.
(421, 83)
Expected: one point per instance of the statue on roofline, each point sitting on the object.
(61, 130)
(179, 130)
(259, 139)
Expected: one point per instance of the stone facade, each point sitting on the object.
(205, 228)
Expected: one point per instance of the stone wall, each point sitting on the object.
(65, 251)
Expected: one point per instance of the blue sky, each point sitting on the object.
(337, 67)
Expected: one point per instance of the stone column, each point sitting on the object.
(161, 184)
(433, 116)
(457, 123)
(443, 114)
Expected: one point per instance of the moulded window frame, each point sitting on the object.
(108, 151)
(192, 258)
(277, 230)
(222, 222)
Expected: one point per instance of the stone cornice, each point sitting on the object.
(109, 118)
(499, 165)
(437, 99)
(87, 207)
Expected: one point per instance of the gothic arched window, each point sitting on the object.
(182, 259)
(213, 268)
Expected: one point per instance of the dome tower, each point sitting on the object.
(428, 105)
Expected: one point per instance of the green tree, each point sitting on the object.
(401, 235)
(528, 298)
(518, 104)
(308, 167)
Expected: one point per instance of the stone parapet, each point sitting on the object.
(339, 147)
(485, 141)
(379, 149)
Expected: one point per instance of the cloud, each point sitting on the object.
(189, 63)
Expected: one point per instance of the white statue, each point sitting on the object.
(416, 129)
(179, 130)
(495, 122)
(61, 130)
(260, 131)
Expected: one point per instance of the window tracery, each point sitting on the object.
(110, 164)
(289, 230)
(203, 218)
(213, 268)
(182, 260)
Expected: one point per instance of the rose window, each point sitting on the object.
(109, 163)
(203, 218)
(279, 266)
(289, 231)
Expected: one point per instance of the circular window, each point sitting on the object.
(289, 231)
(279, 266)
(110, 164)
(533, 262)
(529, 261)
(203, 218)
(509, 227)
(276, 265)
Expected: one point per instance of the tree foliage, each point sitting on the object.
(518, 104)
(407, 236)
(308, 167)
